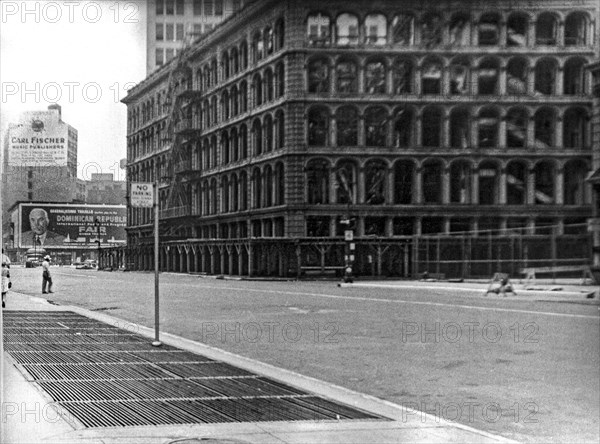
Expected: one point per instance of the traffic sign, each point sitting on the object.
(142, 195)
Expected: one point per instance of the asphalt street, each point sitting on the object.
(522, 369)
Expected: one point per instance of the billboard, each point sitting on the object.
(41, 139)
(64, 226)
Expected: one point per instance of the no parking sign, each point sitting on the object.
(142, 195)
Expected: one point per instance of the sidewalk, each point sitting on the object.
(542, 291)
(28, 415)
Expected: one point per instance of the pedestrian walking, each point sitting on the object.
(5, 259)
(6, 283)
(46, 277)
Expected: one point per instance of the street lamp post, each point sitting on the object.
(97, 225)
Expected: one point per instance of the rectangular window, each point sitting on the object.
(236, 5)
(197, 7)
(170, 7)
(159, 7)
(208, 27)
(170, 54)
(160, 31)
(218, 7)
(197, 29)
(208, 7)
(159, 56)
(179, 10)
(179, 32)
(169, 32)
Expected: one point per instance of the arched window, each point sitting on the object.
(403, 119)
(403, 29)
(268, 40)
(431, 80)
(575, 172)
(235, 101)
(235, 145)
(317, 181)
(280, 79)
(489, 29)
(214, 156)
(489, 176)
(279, 184)
(346, 29)
(375, 77)
(235, 193)
(460, 128)
(225, 159)
(345, 182)
(576, 29)
(243, 55)
(517, 30)
(376, 126)
(402, 76)
(575, 128)
(432, 127)
(461, 180)
(574, 76)
(225, 195)
(257, 94)
(243, 185)
(257, 47)
(225, 104)
(243, 97)
(544, 128)
(243, 141)
(460, 78)
(257, 137)
(404, 176)
(318, 30)
(375, 182)
(460, 29)
(269, 93)
(279, 34)
(516, 128)
(225, 64)
(545, 76)
(347, 126)
(544, 173)
(432, 182)
(213, 196)
(318, 126)
(489, 120)
(516, 76)
(234, 60)
(546, 30)
(268, 133)
(488, 78)
(318, 76)
(214, 110)
(375, 29)
(346, 76)
(516, 183)
(432, 27)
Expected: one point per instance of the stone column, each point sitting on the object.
(559, 198)
(502, 197)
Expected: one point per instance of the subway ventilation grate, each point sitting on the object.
(105, 376)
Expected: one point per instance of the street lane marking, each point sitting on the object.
(398, 301)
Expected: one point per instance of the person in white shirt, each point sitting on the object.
(5, 259)
(6, 284)
(46, 278)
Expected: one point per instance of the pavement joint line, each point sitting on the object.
(398, 301)
(334, 392)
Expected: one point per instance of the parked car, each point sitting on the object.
(32, 263)
(88, 264)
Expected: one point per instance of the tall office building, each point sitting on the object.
(170, 20)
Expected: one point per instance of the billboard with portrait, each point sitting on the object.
(64, 226)
(41, 139)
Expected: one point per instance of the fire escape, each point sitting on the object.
(181, 130)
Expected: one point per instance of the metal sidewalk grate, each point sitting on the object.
(106, 377)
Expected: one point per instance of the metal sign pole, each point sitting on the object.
(156, 342)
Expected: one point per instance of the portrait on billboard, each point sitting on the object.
(39, 233)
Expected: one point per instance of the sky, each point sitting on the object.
(83, 55)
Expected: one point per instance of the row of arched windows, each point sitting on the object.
(434, 181)
(461, 126)
(432, 29)
(461, 75)
(261, 187)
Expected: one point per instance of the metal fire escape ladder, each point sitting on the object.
(177, 198)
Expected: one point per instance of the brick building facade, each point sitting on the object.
(429, 119)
